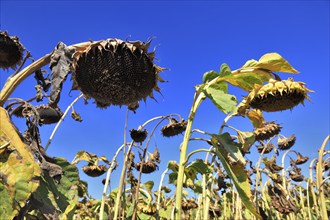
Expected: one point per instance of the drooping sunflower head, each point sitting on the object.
(147, 167)
(94, 170)
(267, 131)
(11, 51)
(276, 95)
(116, 72)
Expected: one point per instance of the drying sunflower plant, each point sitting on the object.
(225, 184)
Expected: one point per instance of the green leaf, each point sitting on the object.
(149, 185)
(224, 102)
(199, 166)
(246, 80)
(58, 196)
(224, 70)
(209, 76)
(275, 63)
(247, 139)
(173, 165)
(250, 63)
(18, 168)
(236, 172)
(85, 156)
(231, 148)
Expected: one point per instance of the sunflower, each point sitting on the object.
(276, 95)
(11, 51)
(94, 170)
(116, 72)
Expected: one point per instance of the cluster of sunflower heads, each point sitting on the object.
(116, 72)
(276, 95)
(11, 51)
(280, 202)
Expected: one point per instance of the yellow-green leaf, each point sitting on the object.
(18, 168)
(275, 63)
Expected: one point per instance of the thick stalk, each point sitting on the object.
(319, 180)
(183, 152)
(12, 82)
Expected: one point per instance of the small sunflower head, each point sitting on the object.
(276, 95)
(94, 170)
(138, 135)
(174, 127)
(147, 167)
(267, 131)
(189, 204)
(11, 51)
(286, 143)
(49, 115)
(269, 147)
(296, 175)
(116, 72)
(300, 160)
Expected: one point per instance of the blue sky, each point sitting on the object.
(191, 37)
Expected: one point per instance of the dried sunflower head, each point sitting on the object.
(94, 170)
(115, 72)
(48, 115)
(277, 95)
(174, 127)
(286, 143)
(268, 130)
(166, 189)
(138, 135)
(269, 148)
(300, 160)
(296, 175)
(11, 51)
(147, 167)
(189, 204)
(149, 209)
(271, 164)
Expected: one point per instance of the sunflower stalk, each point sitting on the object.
(319, 180)
(61, 120)
(107, 181)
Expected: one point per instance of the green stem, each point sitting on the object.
(107, 180)
(183, 152)
(319, 180)
(159, 191)
(310, 181)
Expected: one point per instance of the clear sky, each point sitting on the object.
(191, 37)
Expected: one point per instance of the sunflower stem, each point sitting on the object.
(198, 98)
(159, 192)
(12, 82)
(107, 181)
(319, 180)
(61, 120)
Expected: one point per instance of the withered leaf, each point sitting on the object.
(60, 64)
